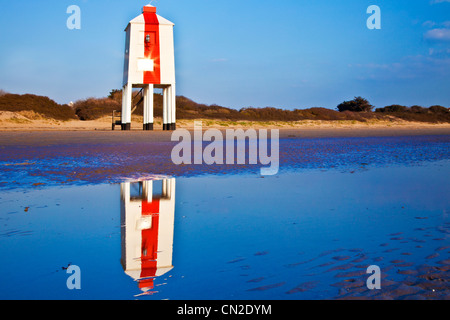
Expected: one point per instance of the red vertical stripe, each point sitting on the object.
(152, 48)
(149, 247)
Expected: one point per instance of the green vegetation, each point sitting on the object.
(358, 104)
(417, 113)
(358, 109)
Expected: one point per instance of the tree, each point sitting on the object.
(115, 94)
(358, 104)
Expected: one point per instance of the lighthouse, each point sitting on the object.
(147, 227)
(149, 64)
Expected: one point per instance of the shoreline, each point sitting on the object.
(52, 137)
(24, 120)
(45, 132)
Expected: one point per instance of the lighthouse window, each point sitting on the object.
(150, 38)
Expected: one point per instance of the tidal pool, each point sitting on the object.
(301, 234)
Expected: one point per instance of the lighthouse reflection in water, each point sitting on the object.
(147, 225)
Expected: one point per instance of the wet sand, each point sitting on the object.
(38, 159)
(52, 157)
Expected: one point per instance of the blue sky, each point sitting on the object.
(286, 53)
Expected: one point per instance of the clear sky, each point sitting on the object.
(285, 53)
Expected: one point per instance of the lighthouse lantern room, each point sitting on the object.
(149, 64)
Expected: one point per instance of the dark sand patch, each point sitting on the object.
(302, 287)
(268, 287)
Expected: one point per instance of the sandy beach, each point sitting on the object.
(27, 128)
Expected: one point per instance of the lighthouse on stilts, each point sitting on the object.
(149, 64)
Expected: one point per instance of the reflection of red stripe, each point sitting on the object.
(149, 246)
(152, 49)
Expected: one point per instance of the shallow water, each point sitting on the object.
(302, 234)
(337, 206)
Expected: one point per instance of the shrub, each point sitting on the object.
(392, 108)
(38, 104)
(418, 109)
(358, 104)
(92, 108)
(438, 109)
(434, 114)
(116, 95)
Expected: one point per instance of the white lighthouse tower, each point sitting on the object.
(149, 64)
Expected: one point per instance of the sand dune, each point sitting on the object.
(30, 121)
